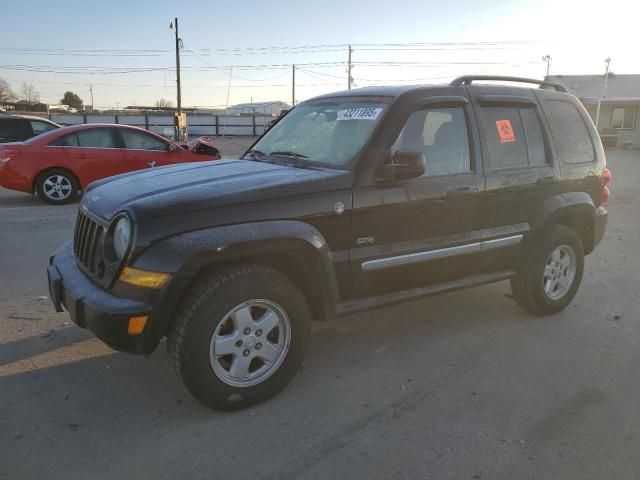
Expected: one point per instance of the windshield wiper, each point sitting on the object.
(254, 153)
(288, 154)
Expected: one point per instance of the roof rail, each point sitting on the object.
(467, 79)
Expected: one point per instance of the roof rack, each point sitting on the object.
(467, 79)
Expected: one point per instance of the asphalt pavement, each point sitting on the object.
(460, 386)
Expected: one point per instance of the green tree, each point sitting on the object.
(6, 92)
(73, 100)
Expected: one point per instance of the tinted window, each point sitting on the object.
(94, 138)
(570, 133)
(441, 134)
(141, 141)
(506, 141)
(14, 129)
(41, 127)
(70, 140)
(535, 141)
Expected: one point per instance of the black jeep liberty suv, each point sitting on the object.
(350, 201)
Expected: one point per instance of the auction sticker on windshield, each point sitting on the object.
(359, 114)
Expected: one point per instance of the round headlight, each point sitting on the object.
(122, 237)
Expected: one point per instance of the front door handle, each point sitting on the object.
(82, 156)
(457, 192)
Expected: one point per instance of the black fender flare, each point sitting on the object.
(571, 205)
(186, 254)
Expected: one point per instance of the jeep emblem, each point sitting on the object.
(339, 208)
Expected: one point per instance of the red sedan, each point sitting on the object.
(58, 164)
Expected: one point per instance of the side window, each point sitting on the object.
(514, 137)
(535, 141)
(135, 140)
(95, 138)
(70, 140)
(41, 127)
(570, 133)
(441, 134)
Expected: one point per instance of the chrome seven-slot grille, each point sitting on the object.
(86, 242)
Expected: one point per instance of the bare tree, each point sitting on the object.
(164, 103)
(6, 92)
(29, 93)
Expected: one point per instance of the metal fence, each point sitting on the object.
(199, 124)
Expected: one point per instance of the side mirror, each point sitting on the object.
(172, 148)
(404, 164)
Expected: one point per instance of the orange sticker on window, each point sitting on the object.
(505, 130)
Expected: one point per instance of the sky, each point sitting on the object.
(126, 51)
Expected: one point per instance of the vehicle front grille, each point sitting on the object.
(87, 242)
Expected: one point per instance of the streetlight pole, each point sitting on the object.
(349, 77)
(179, 91)
(293, 86)
(607, 61)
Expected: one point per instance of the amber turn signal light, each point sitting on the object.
(137, 324)
(143, 278)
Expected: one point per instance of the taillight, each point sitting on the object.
(606, 179)
(6, 155)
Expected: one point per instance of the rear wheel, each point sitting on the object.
(239, 336)
(550, 275)
(57, 186)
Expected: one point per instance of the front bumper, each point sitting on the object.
(91, 307)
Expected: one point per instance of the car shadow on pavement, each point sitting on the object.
(12, 199)
(54, 339)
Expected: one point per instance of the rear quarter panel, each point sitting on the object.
(21, 172)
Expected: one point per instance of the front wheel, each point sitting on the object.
(239, 336)
(549, 278)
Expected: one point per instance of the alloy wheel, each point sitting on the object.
(250, 343)
(559, 272)
(57, 187)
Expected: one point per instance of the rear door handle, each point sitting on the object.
(457, 192)
(82, 156)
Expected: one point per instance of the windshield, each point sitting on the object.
(331, 132)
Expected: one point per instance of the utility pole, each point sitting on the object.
(179, 92)
(607, 61)
(547, 58)
(349, 77)
(293, 86)
(91, 91)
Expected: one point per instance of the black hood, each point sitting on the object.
(193, 186)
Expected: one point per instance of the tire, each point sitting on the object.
(212, 318)
(546, 284)
(57, 186)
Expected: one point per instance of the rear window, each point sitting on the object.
(514, 137)
(570, 133)
(14, 128)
